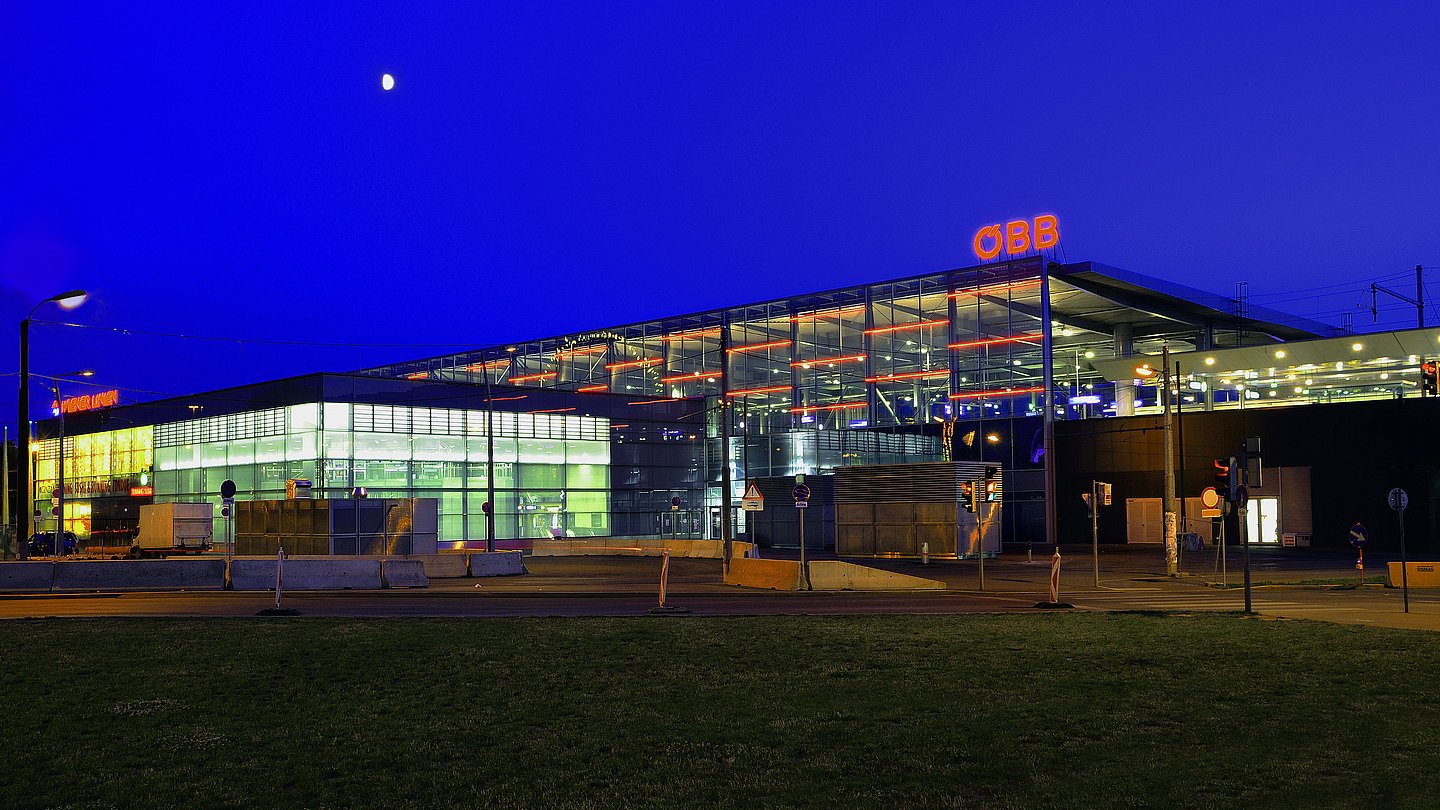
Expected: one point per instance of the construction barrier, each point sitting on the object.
(496, 564)
(403, 574)
(836, 575)
(26, 577)
(1419, 574)
(307, 574)
(776, 575)
(73, 576)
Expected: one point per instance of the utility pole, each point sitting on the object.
(1172, 559)
(1418, 301)
(727, 550)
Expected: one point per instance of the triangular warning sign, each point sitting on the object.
(752, 492)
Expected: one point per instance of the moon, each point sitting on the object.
(387, 82)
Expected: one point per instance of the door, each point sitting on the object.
(1262, 521)
(1144, 522)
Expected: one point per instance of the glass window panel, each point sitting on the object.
(439, 448)
(337, 416)
(304, 417)
(585, 452)
(165, 458)
(270, 449)
(382, 446)
(338, 444)
(542, 476)
(212, 454)
(240, 451)
(301, 446)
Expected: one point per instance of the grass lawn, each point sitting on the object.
(1072, 711)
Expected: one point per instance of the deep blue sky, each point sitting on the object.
(235, 170)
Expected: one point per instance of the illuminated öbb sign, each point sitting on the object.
(1017, 236)
(86, 402)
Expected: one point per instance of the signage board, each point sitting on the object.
(1017, 237)
(86, 402)
(752, 501)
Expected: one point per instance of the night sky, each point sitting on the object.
(236, 171)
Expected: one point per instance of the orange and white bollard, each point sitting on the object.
(664, 574)
(279, 574)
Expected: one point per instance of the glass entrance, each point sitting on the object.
(1262, 521)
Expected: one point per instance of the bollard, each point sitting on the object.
(1054, 585)
(1055, 576)
(279, 585)
(662, 609)
(925, 553)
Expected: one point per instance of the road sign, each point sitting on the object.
(801, 504)
(1212, 513)
(485, 507)
(1242, 496)
(1210, 498)
(1358, 536)
(1398, 499)
(752, 501)
(675, 504)
(801, 492)
(227, 489)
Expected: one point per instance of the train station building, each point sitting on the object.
(888, 397)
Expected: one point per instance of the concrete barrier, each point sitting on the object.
(403, 574)
(1417, 574)
(776, 575)
(313, 574)
(175, 574)
(26, 577)
(634, 547)
(444, 566)
(837, 575)
(497, 564)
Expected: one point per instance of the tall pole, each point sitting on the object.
(1095, 527)
(1180, 443)
(1172, 560)
(489, 458)
(727, 551)
(23, 497)
(5, 488)
(58, 549)
(1420, 298)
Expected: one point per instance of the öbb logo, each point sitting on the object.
(1017, 236)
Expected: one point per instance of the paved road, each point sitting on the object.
(627, 586)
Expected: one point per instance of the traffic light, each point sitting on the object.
(1222, 477)
(1251, 449)
(967, 496)
(992, 484)
(1430, 377)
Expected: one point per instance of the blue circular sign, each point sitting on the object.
(802, 492)
(1358, 536)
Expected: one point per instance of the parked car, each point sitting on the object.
(42, 544)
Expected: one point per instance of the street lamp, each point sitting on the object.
(67, 300)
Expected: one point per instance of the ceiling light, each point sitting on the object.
(1209, 361)
(1355, 347)
(1280, 355)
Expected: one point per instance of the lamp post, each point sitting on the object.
(67, 300)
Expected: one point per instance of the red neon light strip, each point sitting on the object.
(587, 388)
(503, 399)
(880, 330)
(758, 346)
(553, 410)
(970, 344)
(839, 312)
(853, 358)
(994, 288)
(910, 375)
(654, 401)
(645, 361)
(1003, 392)
(836, 407)
(617, 427)
(528, 377)
(748, 391)
(698, 375)
(693, 334)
